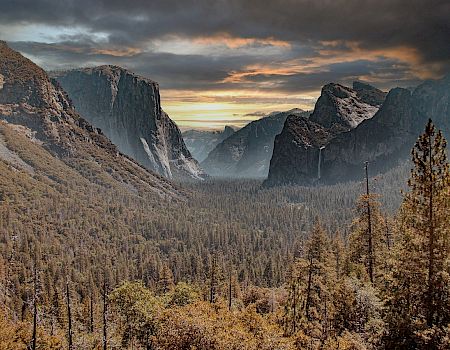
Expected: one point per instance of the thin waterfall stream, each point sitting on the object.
(319, 163)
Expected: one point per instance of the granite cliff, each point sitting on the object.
(321, 150)
(36, 110)
(127, 108)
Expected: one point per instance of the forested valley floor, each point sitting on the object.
(231, 265)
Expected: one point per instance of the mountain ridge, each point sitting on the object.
(247, 152)
(35, 105)
(201, 142)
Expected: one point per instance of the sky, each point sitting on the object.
(227, 62)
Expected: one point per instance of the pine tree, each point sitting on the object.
(165, 282)
(309, 306)
(213, 280)
(35, 310)
(105, 315)
(419, 292)
(367, 241)
(339, 249)
(69, 319)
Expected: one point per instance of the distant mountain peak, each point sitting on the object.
(201, 142)
(228, 129)
(247, 152)
(291, 111)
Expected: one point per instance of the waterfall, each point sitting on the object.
(319, 163)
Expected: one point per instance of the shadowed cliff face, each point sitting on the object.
(384, 140)
(296, 152)
(37, 108)
(247, 152)
(127, 108)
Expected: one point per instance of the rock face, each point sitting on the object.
(383, 140)
(200, 143)
(296, 151)
(37, 107)
(127, 108)
(341, 108)
(247, 152)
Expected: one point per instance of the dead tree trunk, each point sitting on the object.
(369, 228)
(69, 318)
(34, 339)
(105, 310)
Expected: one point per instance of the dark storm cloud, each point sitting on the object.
(415, 32)
(420, 24)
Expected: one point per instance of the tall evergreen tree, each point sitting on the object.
(165, 282)
(419, 292)
(309, 307)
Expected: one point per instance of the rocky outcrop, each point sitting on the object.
(300, 145)
(37, 107)
(384, 140)
(341, 108)
(127, 108)
(200, 142)
(247, 152)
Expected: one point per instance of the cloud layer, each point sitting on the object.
(239, 51)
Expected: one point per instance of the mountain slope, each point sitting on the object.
(35, 107)
(200, 142)
(384, 140)
(247, 152)
(127, 108)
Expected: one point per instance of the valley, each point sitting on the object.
(304, 229)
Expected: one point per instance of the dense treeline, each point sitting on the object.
(233, 267)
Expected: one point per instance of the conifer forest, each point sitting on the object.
(234, 266)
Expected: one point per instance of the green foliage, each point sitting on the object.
(137, 308)
(183, 294)
(309, 304)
